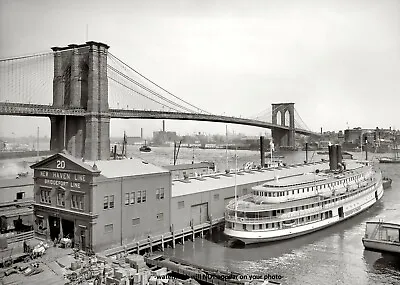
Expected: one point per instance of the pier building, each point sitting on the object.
(182, 171)
(16, 198)
(129, 205)
(100, 204)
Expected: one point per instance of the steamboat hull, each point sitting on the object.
(351, 209)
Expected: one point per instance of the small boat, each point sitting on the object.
(382, 237)
(386, 182)
(22, 174)
(145, 148)
(394, 159)
(389, 160)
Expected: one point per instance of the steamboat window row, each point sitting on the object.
(303, 190)
(276, 212)
(280, 225)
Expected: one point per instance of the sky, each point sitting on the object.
(338, 61)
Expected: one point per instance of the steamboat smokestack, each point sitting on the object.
(332, 157)
(339, 154)
(141, 133)
(262, 152)
(163, 125)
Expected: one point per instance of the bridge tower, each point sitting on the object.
(80, 82)
(285, 113)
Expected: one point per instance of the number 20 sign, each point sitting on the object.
(60, 164)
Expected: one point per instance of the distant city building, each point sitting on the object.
(162, 137)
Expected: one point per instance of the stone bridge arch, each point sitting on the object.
(283, 114)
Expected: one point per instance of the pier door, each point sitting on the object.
(199, 213)
(340, 212)
(54, 225)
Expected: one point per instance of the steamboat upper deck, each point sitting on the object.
(303, 189)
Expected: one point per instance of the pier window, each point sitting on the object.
(77, 201)
(45, 195)
(132, 198)
(144, 196)
(216, 197)
(139, 196)
(159, 193)
(105, 202)
(135, 221)
(20, 195)
(61, 197)
(160, 216)
(111, 201)
(260, 226)
(162, 193)
(181, 204)
(108, 228)
(127, 200)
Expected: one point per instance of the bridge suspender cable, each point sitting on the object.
(141, 94)
(147, 89)
(113, 56)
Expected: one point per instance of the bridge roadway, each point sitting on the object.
(37, 110)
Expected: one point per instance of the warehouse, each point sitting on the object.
(182, 171)
(100, 204)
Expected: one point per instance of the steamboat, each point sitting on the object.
(302, 203)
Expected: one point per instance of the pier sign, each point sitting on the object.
(63, 179)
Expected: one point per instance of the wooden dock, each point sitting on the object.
(164, 240)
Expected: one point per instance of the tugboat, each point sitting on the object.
(145, 148)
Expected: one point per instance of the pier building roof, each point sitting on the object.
(106, 168)
(187, 166)
(126, 167)
(220, 181)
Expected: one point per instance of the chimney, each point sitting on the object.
(332, 157)
(262, 152)
(163, 126)
(141, 133)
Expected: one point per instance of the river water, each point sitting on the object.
(331, 256)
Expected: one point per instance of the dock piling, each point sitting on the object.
(162, 242)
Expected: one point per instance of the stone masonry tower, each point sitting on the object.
(285, 138)
(80, 82)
